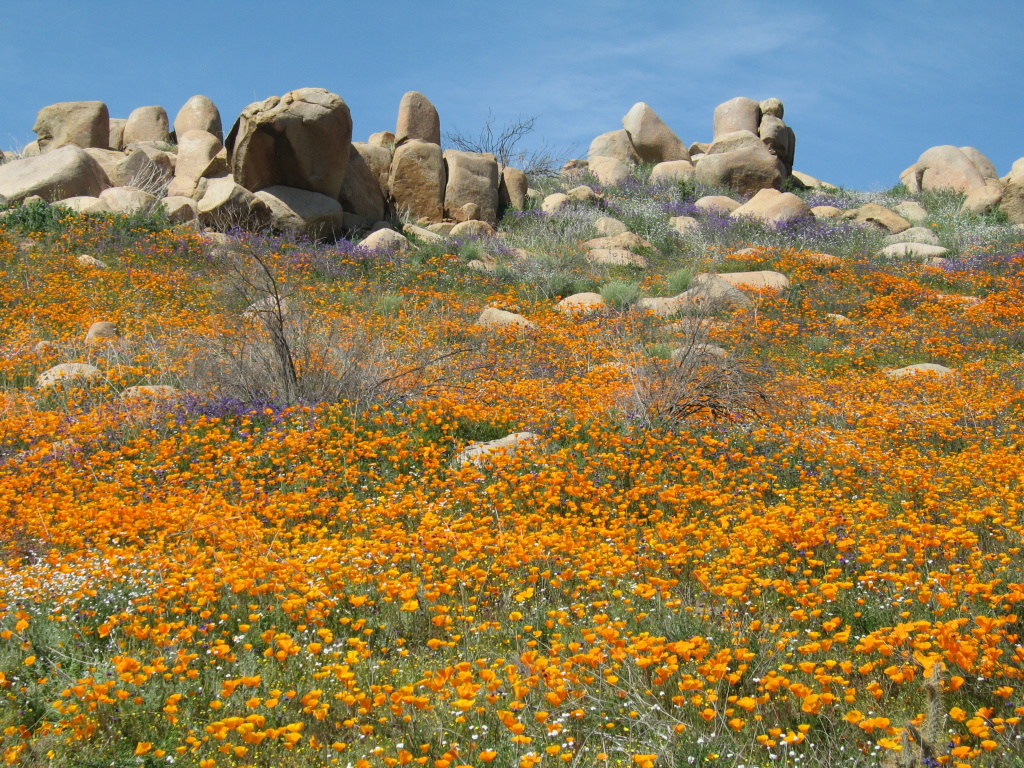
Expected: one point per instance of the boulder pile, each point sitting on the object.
(288, 163)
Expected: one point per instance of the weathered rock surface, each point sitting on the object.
(472, 178)
(512, 189)
(116, 133)
(228, 204)
(765, 279)
(128, 200)
(943, 167)
(709, 291)
(621, 240)
(609, 227)
(609, 171)
(981, 200)
(614, 144)
(869, 213)
(75, 372)
(719, 203)
(302, 212)
(377, 158)
(417, 180)
(616, 257)
(149, 391)
(361, 192)
(554, 203)
(493, 317)
(914, 250)
(198, 114)
(81, 123)
(672, 170)
(102, 330)
(684, 225)
(773, 207)
(739, 114)
(180, 209)
(386, 240)
(653, 141)
(914, 235)
(68, 171)
(747, 170)
(581, 303)
(927, 368)
(85, 204)
(147, 124)
(301, 140)
(477, 453)
(417, 120)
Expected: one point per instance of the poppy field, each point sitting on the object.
(282, 561)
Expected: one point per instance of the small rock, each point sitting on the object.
(910, 370)
(584, 194)
(90, 261)
(773, 207)
(662, 306)
(102, 330)
(581, 303)
(869, 213)
(616, 257)
(554, 203)
(912, 211)
(838, 319)
(65, 372)
(150, 391)
(386, 240)
(609, 171)
(913, 250)
(609, 227)
(764, 279)
(84, 204)
(427, 235)
(718, 203)
(825, 211)
(622, 240)
(493, 317)
(913, 235)
(684, 225)
(672, 170)
(982, 200)
(474, 229)
(477, 453)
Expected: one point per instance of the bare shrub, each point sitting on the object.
(504, 144)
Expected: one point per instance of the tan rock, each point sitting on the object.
(478, 454)
(920, 368)
(869, 213)
(145, 167)
(554, 203)
(472, 229)
(417, 180)
(912, 211)
(386, 240)
(838, 319)
(773, 207)
(426, 235)
(84, 205)
(913, 250)
(981, 200)
(739, 114)
(79, 123)
(90, 261)
(104, 330)
(147, 124)
(653, 141)
(661, 306)
(378, 159)
(710, 291)
(614, 144)
(913, 235)
(417, 120)
(180, 210)
(762, 280)
(198, 155)
(512, 189)
(745, 170)
(684, 225)
(779, 139)
(116, 133)
(492, 317)
(383, 139)
(67, 171)
(300, 140)
(622, 240)
(609, 171)
(719, 203)
(812, 183)
(361, 192)
(581, 303)
(824, 259)
(584, 194)
(825, 211)
(672, 171)
(149, 392)
(227, 204)
(616, 257)
(301, 212)
(68, 372)
(772, 107)
(198, 114)
(108, 160)
(609, 227)
(1011, 204)
(472, 178)
(947, 167)
(128, 200)
(735, 140)
(982, 163)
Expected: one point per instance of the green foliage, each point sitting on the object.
(620, 294)
(679, 281)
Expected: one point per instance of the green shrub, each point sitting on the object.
(620, 294)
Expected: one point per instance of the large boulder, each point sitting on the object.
(417, 180)
(299, 211)
(613, 144)
(609, 171)
(145, 167)
(378, 158)
(198, 114)
(81, 123)
(672, 170)
(943, 167)
(65, 172)
(512, 189)
(982, 163)
(981, 200)
(147, 124)
(301, 140)
(746, 170)
(739, 114)
(773, 207)
(128, 199)
(472, 178)
(653, 141)
(361, 193)
(116, 133)
(878, 216)
(780, 140)
(199, 155)
(1012, 203)
(227, 204)
(417, 120)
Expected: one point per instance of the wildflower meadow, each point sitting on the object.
(782, 556)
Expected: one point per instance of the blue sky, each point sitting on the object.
(867, 86)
